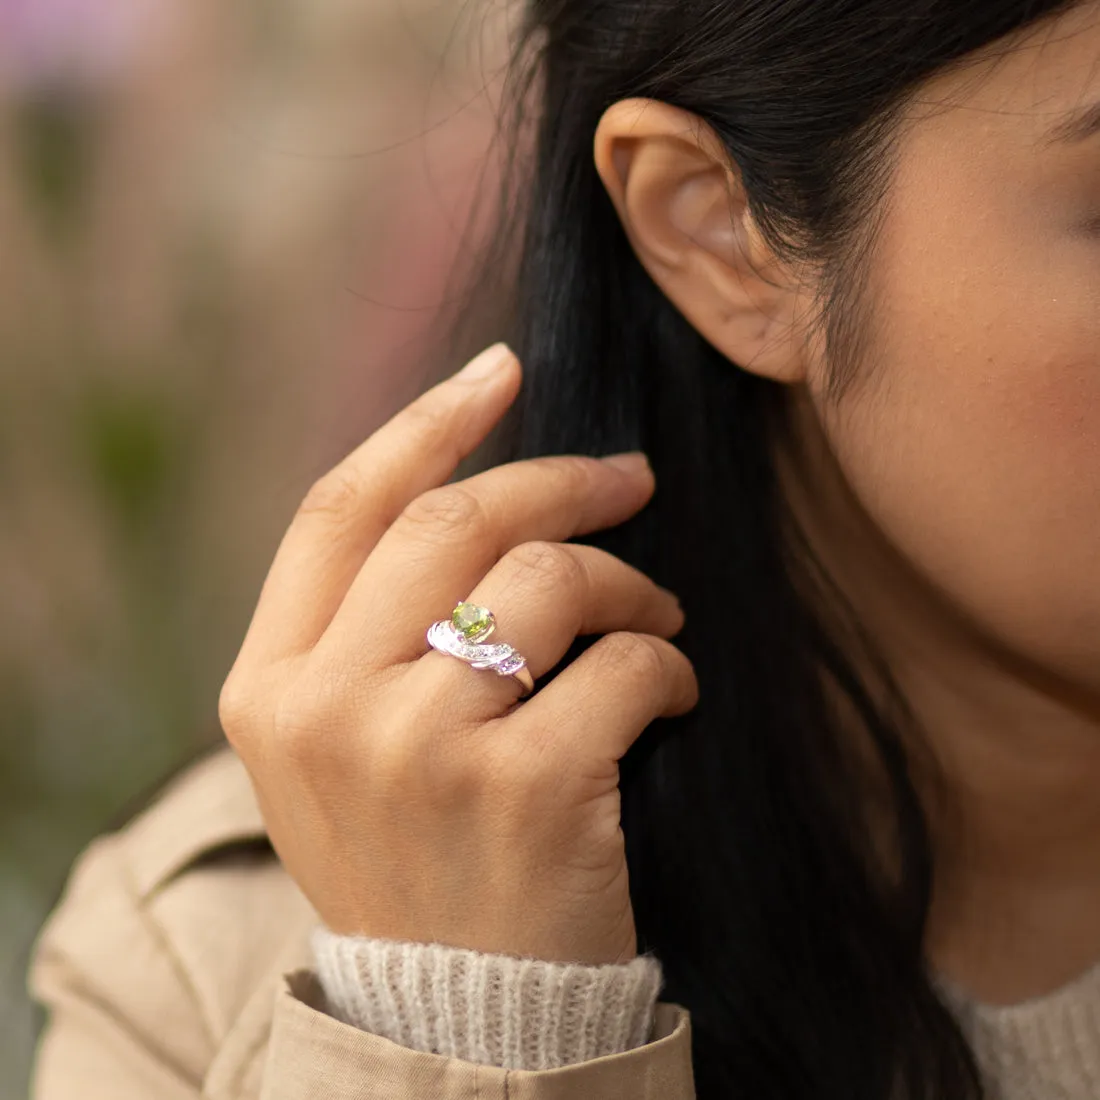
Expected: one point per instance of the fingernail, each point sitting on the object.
(630, 462)
(672, 595)
(485, 364)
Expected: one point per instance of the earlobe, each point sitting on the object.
(680, 202)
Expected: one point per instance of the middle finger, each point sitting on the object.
(543, 595)
(447, 539)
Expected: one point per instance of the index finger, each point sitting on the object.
(446, 541)
(347, 510)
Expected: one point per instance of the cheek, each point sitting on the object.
(977, 452)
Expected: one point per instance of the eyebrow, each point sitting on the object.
(1076, 126)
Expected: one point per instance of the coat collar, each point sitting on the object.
(208, 806)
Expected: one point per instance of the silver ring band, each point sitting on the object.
(463, 636)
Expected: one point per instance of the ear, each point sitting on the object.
(682, 205)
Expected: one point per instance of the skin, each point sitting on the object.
(409, 796)
(954, 491)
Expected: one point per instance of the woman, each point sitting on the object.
(834, 266)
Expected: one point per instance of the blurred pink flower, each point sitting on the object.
(65, 42)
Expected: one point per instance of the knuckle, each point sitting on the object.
(237, 707)
(336, 493)
(306, 716)
(427, 416)
(414, 763)
(446, 511)
(640, 654)
(516, 776)
(426, 420)
(302, 747)
(454, 780)
(394, 758)
(549, 564)
(577, 471)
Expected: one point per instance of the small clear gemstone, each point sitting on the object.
(472, 622)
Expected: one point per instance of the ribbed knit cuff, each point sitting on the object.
(496, 1010)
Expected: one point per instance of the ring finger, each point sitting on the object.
(449, 538)
(542, 596)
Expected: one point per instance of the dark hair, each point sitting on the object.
(753, 875)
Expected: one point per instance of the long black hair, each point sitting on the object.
(753, 875)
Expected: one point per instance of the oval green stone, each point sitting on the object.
(472, 622)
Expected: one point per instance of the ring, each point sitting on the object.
(463, 635)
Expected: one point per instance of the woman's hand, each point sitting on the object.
(411, 796)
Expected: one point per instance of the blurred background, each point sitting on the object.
(226, 232)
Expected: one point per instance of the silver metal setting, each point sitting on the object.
(500, 658)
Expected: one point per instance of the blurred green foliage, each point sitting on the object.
(110, 703)
(54, 141)
(194, 249)
(133, 445)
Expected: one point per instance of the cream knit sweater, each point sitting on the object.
(529, 1014)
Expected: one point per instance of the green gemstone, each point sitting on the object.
(472, 622)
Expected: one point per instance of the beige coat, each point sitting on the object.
(177, 966)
